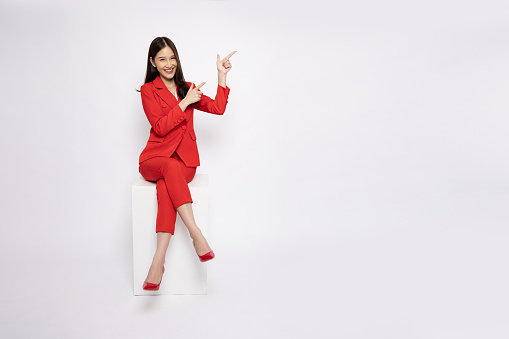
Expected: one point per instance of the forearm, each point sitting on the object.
(169, 121)
(221, 79)
(183, 104)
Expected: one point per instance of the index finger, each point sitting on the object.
(198, 87)
(229, 55)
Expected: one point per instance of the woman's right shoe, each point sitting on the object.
(207, 256)
(152, 287)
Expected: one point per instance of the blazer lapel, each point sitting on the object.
(164, 92)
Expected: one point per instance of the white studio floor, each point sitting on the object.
(408, 282)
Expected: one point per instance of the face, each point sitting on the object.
(166, 63)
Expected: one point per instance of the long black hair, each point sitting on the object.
(152, 72)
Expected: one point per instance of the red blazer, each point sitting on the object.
(171, 128)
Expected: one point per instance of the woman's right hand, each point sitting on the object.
(193, 94)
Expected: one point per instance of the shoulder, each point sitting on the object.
(148, 85)
(147, 88)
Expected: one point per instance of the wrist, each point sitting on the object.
(183, 104)
(221, 79)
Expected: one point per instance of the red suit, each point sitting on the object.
(171, 155)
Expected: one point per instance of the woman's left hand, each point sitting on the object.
(223, 66)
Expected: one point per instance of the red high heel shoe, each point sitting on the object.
(207, 256)
(152, 287)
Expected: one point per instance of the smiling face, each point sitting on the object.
(166, 63)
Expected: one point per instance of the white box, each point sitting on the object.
(184, 272)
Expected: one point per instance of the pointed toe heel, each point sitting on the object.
(152, 287)
(207, 256)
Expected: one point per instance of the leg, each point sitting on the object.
(155, 272)
(172, 177)
(201, 245)
(165, 228)
(159, 169)
(185, 211)
(172, 174)
(166, 213)
(177, 175)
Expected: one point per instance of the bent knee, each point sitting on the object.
(171, 164)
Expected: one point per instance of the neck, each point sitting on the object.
(168, 83)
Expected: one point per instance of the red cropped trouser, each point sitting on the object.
(172, 176)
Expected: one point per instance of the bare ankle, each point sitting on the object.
(158, 261)
(195, 233)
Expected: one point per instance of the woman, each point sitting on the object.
(171, 155)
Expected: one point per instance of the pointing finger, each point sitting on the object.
(203, 83)
(229, 55)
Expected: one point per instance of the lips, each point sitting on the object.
(169, 70)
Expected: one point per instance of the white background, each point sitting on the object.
(358, 179)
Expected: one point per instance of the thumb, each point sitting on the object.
(218, 59)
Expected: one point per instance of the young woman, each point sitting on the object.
(171, 155)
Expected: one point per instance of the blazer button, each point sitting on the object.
(183, 127)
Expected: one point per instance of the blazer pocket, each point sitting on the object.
(193, 136)
(155, 138)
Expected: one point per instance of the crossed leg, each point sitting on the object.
(173, 196)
